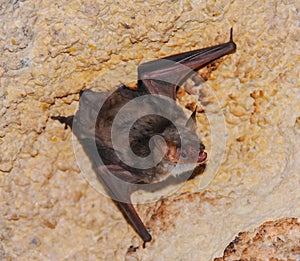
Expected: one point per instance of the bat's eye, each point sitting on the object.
(183, 154)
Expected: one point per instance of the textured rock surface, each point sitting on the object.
(52, 50)
(273, 240)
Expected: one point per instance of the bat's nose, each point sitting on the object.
(202, 147)
(202, 154)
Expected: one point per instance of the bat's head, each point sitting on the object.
(174, 150)
(178, 160)
(174, 153)
(185, 156)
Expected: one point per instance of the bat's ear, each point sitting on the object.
(160, 145)
(191, 123)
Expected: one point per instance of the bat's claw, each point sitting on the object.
(68, 121)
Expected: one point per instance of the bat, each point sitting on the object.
(95, 127)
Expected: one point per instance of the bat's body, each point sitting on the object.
(93, 125)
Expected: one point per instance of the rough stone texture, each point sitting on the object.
(273, 240)
(52, 50)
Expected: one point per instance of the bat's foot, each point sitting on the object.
(68, 121)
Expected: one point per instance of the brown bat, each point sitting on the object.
(139, 158)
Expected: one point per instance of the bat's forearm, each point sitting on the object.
(135, 220)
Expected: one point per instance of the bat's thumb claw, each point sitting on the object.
(68, 121)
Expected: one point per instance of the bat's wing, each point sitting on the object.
(89, 106)
(120, 191)
(163, 76)
(113, 178)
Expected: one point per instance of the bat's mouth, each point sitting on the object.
(202, 156)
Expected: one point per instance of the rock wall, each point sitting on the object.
(52, 50)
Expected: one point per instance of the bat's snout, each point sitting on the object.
(202, 154)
